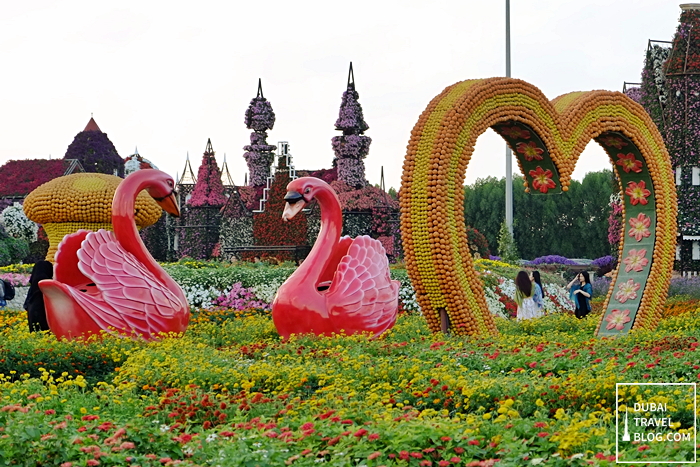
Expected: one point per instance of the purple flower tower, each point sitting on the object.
(259, 155)
(351, 148)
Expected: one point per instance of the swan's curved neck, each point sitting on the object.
(123, 207)
(328, 235)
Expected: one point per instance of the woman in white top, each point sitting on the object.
(527, 308)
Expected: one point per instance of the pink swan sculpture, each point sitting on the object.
(106, 281)
(343, 285)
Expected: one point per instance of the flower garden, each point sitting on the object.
(231, 392)
(456, 381)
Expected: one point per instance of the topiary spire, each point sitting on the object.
(208, 191)
(259, 155)
(95, 151)
(351, 148)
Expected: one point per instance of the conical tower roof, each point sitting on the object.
(226, 179)
(188, 177)
(208, 191)
(92, 126)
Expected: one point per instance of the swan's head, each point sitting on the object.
(161, 187)
(300, 192)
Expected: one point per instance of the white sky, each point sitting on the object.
(165, 76)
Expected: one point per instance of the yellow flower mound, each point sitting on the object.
(82, 201)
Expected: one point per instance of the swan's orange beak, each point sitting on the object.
(294, 204)
(169, 204)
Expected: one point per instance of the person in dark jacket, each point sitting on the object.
(581, 293)
(34, 304)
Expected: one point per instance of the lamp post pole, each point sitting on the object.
(509, 156)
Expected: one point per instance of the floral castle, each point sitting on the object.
(220, 219)
(670, 93)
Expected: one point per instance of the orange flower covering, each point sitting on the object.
(547, 138)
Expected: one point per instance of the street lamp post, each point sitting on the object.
(509, 157)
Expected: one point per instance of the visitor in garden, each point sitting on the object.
(527, 309)
(538, 292)
(581, 292)
(34, 303)
(3, 303)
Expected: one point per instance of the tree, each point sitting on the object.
(484, 206)
(506, 245)
(572, 224)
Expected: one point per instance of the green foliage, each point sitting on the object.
(484, 206)
(506, 246)
(18, 248)
(13, 250)
(572, 224)
(5, 255)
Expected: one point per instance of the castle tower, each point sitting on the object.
(351, 148)
(259, 155)
(95, 152)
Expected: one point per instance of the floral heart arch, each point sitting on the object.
(547, 138)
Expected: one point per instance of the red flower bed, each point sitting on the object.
(19, 178)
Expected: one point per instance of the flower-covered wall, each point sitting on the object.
(268, 226)
(670, 93)
(236, 223)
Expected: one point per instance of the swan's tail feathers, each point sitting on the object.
(66, 260)
(390, 310)
(65, 317)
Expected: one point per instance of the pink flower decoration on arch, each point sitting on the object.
(627, 291)
(542, 180)
(640, 226)
(617, 319)
(637, 192)
(515, 132)
(628, 162)
(613, 141)
(530, 151)
(636, 260)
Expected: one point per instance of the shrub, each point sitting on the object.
(17, 224)
(5, 255)
(478, 243)
(551, 259)
(18, 248)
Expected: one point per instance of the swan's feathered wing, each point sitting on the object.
(144, 303)
(66, 260)
(362, 296)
